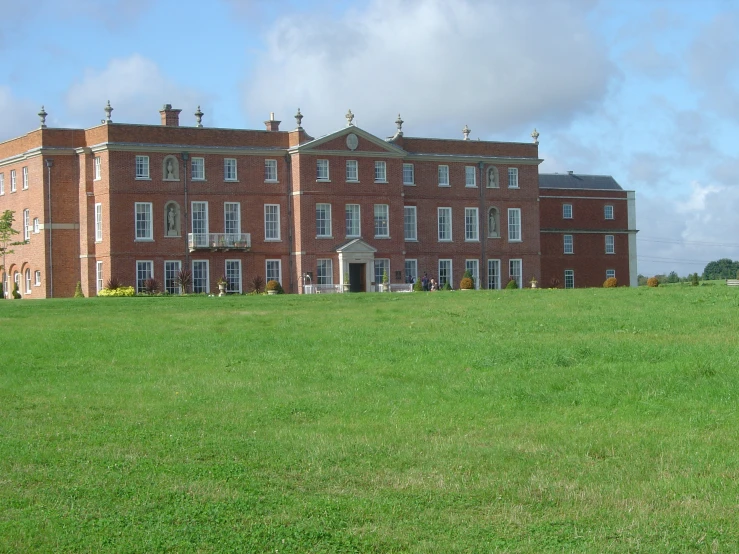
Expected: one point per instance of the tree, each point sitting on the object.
(721, 269)
(673, 277)
(6, 235)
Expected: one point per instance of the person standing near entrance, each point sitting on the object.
(425, 282)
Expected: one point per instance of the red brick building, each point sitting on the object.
(135, 202)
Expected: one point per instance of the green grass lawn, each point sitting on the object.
(516, 421)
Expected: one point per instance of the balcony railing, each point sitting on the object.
(219, 241)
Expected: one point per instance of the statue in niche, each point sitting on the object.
(492, 228)
(172, 221)
(170, 170)
(491, 178)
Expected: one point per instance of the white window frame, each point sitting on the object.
(444, 227)
(28, 280)
(608, 211)
(473, 266)
(142, 168)
(514, 225)
(37, 278)
(146, 210)
(569, 278)
(197, 168)
(233, 276)
(26, 225)
(323, 220)
(411, 270)
(566, 211)
(382, 221)
(350, 212)
(322, 171)
(270, 171)
(200, 227)
(409, 174)
(230, 169)
(97, 165)
(24, 185)
(2, 184)
(515, 270)
(610, 273)
(198, 286)
(231, 209)
(448, 276)
(380, 171)
(172, 267)
(382, 265)
(142, 273)
(443, 173)
(470, 176)
(352, 171)
(324, 271)
(512, 177)
(272, 223)
(494, 274)
(269, 267)
(36, 226)
(13, 184)
(568, 244)
(410, 223)
(471, 225)
(610, 244)
(98, 222)
(99, 284)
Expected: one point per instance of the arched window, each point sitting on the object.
(493, 223)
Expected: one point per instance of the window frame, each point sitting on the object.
(568, 244)
(443, 176)
(24, 184)
(229, 272)
(470, 170)
(383, 263)
(608, 209)
(323, 174)
(514, 227)
(610, 244)
(569, 282)
(37, 278)
(205, 232)
(409, 169)
(13, 181)
(36, 226)
(142, 168)
(196, 161)
(494, 274)
(197, 286)
(270, 168)
(513, 178)
(414, 270)
(566, 211)
(230, 170)
(413, 235)
(273, 219)
(474, 227)
(26, 225)
(140, 269)
(168, 268)
(352, 167)
(324, 271)
(97, 168)
(323, 220)
(148, 222)
(28, 280)
(267, 270)
(98, 222)
(358, 220)
(2, 184)
(382, 221)
(235, 208)
(446, 277)
(99, 282)
(610, 273)
(475, 271)
(380, 171)
(440, 224)
(518, 277)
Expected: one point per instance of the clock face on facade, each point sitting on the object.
(352, 141)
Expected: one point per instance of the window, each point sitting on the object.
(610, 273)
(323, 220)
(408, 174)
(352, 170)
(25, 178)
(445, 223)
(445, 272)
(493, 223)
(200, 276)
(143, 221)
(12, 180)
(353, 228)
(98, 277)
(171, 272)
(410, 228)
(470, 173)
(514, 224)
(270, 171)
(98, 170)
(382, 227)
(411, 271)
(197, 169)
(37, 277)
(274, 270)
(36, 226)
(608, 211)
(610, 247)
(380, 172)
(443, 175)
(471, 225)
(473, 266)
(233, 275)
(271, 222)
(26, 225)
(28, 281)
(569, 279)
(144, 271)
(515, 269)
(512, 177)
(98, 222)
(568, 244)
(229, 169)
(200, 223)
(142, 167)
(325, 272)
(566, 211)
(2, 184)
(493, 274)
(232, 219)
(322, 170)
(17, 279)
(382, 267)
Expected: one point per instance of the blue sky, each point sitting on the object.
(646, 91)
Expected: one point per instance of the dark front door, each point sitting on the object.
(356, 278)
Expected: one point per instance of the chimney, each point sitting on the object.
(271, 124)
(170, 117)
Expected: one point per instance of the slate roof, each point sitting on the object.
(575, 181)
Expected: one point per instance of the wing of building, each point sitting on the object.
(341, 212)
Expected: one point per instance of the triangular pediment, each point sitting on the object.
(356, 246)
(348, 140)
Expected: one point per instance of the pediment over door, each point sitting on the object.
(356, 246)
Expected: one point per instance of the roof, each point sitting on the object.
(574, 181)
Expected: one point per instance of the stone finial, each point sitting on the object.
(108, 111)
(399, 124)
(466, 132)
(199, 117)
(349, 118)
(299, 119)
(535, 136)
(42, 115)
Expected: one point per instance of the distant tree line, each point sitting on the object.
(720, 269)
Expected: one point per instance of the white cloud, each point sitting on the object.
(496, 66)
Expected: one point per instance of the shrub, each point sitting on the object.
(151, 286)
(467, 283)
(553, 283)
(512, 284)
(120, 291)
(78, 290)
(275, 286)
(15, 293)
(113, 283)
(418, 286)
(257, 285)
(184, 279)
(653, 282)
(694, 280)
(446, 286)
(610, 283)
(384, 277)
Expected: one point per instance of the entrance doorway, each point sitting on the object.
(356, 278)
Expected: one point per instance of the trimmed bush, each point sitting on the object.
(652, 282)
(512, 284)
(15, 293)
(694, 280)
(78, 290)
(275, 286)
(610, 283)
(119, 291)
(418, 286)
(466, 283)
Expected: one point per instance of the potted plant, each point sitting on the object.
(345, 286)
(467, 282)
(273, 287)
(222, 286)
(385, 283)
(534, 282)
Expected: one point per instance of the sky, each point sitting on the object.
(644, 90)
